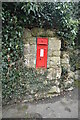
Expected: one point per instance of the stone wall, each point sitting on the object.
(67, 74)
(54, 67)
(30, 52)
(77, 65)
(54, 45)
(57, 60)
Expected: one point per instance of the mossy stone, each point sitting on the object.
(50, 33)
(27, 33)
(39, 32)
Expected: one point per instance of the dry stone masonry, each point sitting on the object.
(54, 45)
(57, 60)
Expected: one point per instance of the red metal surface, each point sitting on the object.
(42, 41)
(41, 56)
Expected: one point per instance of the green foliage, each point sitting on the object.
(12, 45)
(22, 81)
(67, 26)
(31, 13)
(15, 17)
(60, 16)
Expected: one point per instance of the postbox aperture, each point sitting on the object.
(41, 56)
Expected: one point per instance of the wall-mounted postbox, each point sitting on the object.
(41, 55)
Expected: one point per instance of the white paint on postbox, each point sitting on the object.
(41, 52)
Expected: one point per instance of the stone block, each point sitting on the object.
(65, 61)
(32, 63)
(30, 40)
(49, 33)
(65, 54)
(30, 60)
(26, 60)
(64, 57)
(27, 33)
(50, 75)
(52, 53)
(77, 75)
(68, 84)
(29, 49)
(26, 49)
(54, 89)
(25, 41)
(33, 49)
(41, 71)
(39, 32)
(53, 61)
(54, 44)
(54, 73)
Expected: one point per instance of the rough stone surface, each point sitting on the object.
(40, 32)
(54, 44)
(30, 40)
(50, 33)
(77, 75)
(54, 73)
(56, 59)
(54, 89)
(65, 57)
(30, 61)
(54, 53)
(68, 74)
(27, 33)
(65, 61)
(30, 52)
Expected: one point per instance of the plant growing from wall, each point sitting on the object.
(17, 16)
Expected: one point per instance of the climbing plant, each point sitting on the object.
(63, 17)
(15, 16)
(18, 15)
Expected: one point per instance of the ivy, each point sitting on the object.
(60, 16)
(18, 15)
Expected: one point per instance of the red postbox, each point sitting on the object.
(41, 55)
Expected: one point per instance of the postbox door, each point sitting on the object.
(41, 60)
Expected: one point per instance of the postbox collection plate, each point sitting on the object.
(41, 54)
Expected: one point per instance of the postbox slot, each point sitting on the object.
(42, 44)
